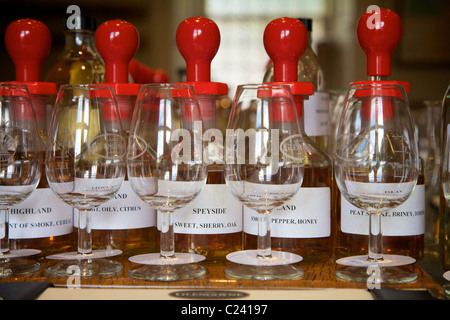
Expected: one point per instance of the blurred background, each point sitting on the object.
(422, 58)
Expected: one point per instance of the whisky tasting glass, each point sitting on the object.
(376, 169)
(85, 165)
(166, 171)
(20, 170)
(264, 169)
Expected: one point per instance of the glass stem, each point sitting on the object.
(4, 231)
(167, 249)
(375, 238)
(84, 232)
(264, 241)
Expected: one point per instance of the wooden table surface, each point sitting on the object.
(318, 275)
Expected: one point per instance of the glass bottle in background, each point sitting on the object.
(316, 107)
(432, 166)
(444, 211)
(80, 62)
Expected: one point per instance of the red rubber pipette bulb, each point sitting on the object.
(285, 40)
(117, 42)
(198, 40)
(379, 33)
(28, 43)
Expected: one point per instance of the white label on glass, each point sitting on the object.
(126, 210)
(214, 211)
(87, 186)
(306, 215)
(41, 215)
(407, 219)
(316, 114)
(394, 191)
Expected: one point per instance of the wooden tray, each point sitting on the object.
(319, 275)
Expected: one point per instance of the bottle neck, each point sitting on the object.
(84, 39)
(378, 78)
(309, 43)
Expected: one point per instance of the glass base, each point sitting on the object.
(392, 269)
(389, 260)
(276, 267)
(154, 268)
(17, 267)
(20, 253)
(167, 272)
(279, 272)
(374, 276)
(84, 268)
(250, 257)
(96, 254)
(155, 259)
